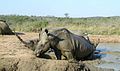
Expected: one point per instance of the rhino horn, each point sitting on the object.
(20, 38)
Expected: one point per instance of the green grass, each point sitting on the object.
(91, 25)
(30, 26)
(94, 30)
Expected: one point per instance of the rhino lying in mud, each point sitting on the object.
(65, 43)
(4, 28)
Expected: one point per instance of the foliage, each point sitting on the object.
(90, 25)
(24, 23)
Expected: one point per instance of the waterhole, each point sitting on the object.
(110, 55)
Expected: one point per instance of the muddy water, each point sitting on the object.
(110, 55)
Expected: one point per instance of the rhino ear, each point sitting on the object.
(40, 29)
(46, 30)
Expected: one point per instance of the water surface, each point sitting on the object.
(110, 55)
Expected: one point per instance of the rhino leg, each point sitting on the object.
(64, 54)
(68, 55)
(58, 54)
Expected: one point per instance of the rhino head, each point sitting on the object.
(43, 44)
(47, 40)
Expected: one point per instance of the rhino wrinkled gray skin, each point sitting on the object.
(65, 43)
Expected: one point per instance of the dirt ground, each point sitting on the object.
(14, 56)
(106, 38)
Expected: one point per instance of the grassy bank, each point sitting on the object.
(91, 25)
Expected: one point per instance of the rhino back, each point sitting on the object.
(78, 45)
(82, 47)
(65, 44)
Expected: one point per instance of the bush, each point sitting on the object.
(91, 25)
(30, 26)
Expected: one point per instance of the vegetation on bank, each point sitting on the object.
(90, 25)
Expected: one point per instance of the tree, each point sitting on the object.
(66, 15)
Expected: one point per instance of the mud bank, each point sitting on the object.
(105, 38)
(37, 64)
(16, 57)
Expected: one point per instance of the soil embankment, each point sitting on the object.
(106, 38)
(16, 57)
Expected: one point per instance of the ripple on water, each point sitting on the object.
(111, 58)
(115, 66)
